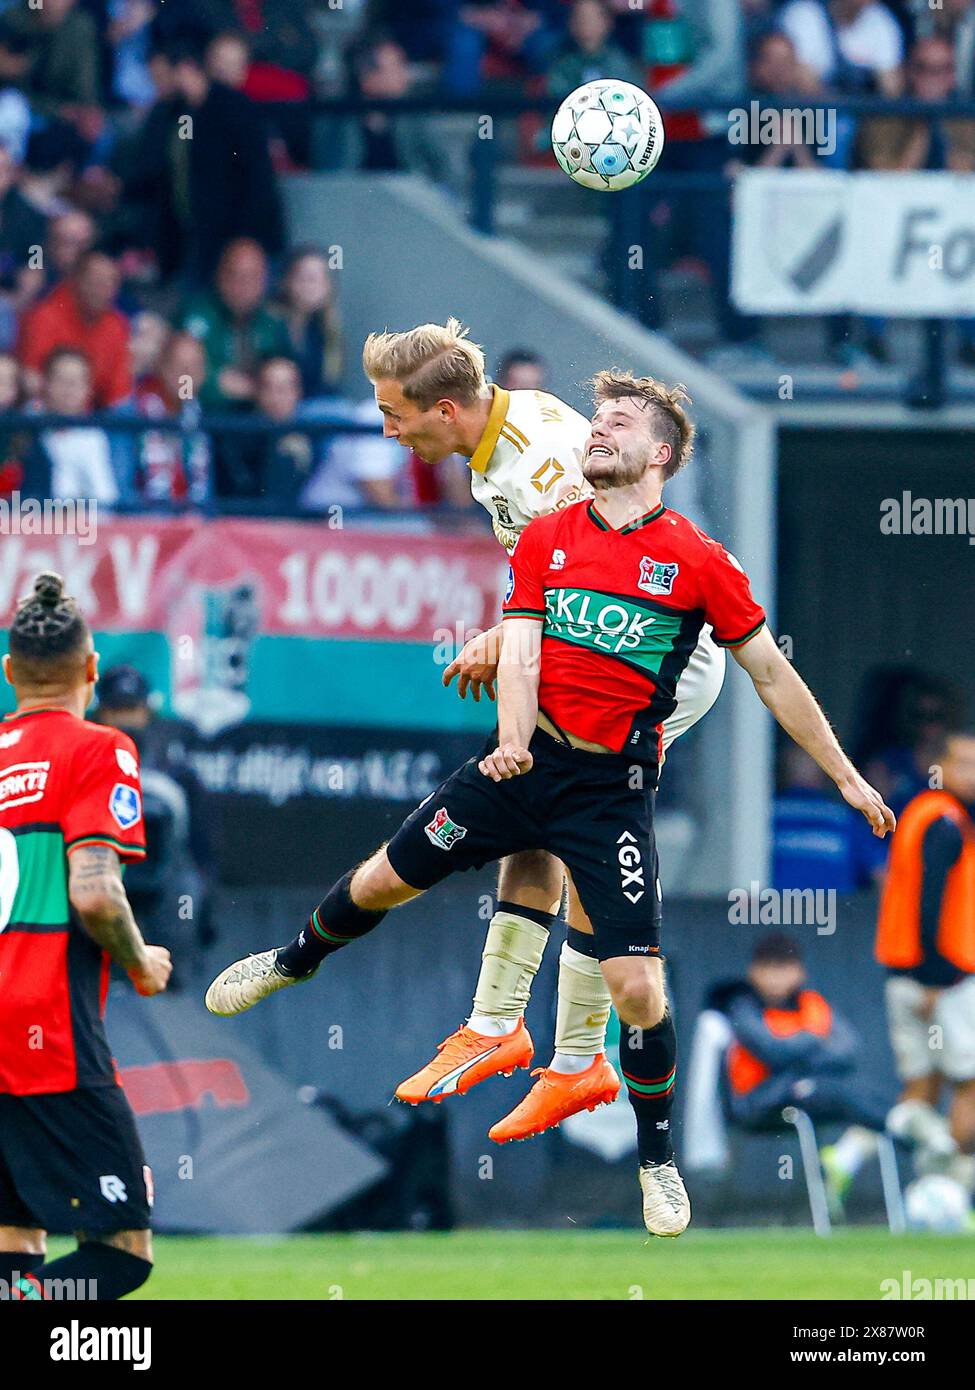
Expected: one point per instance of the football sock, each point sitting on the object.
(513, 950)
(853, 1148)
(103, 1270)
(14, 1263)
(335, 922)
(648, 1060)
(583, 1005)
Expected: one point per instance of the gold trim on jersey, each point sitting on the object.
(505, 428)
(488, 442)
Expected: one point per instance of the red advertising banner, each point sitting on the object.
(307, 579)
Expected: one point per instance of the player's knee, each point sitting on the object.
(122, 1261)
(531, 872)
(22, 1240)
(376, 886)
(638, 998)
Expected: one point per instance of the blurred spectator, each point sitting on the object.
(235, 326)
(70, 236)
(500, 38)
(273, 467)
(953, 20)
(61, 75)
(74, 461)
(150, 333)
(904, 714)
(422, 29)
(383, 142)
(817, 840)
(228, 58)
(14, 444)
(590, 52)
(306, 305)
(359, 469)
(54, 156)
(178, 867)
(129, 36)
(22, 226)
(792, 1048)
(14, 118)
(522, 370)
(907, 142)
(853, 46)
(214, 187)
(79, 313)
(174, 467)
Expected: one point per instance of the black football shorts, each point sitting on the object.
(73, 1161)
(591, 810)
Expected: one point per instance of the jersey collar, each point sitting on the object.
(36, 709)
(488, 442)
(599, 520)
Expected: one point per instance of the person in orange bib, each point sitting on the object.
(926, 939)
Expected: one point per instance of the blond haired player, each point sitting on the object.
(525, 451)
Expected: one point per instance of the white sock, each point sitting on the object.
(491, 1025)
(854, 1146)
(567, 1063)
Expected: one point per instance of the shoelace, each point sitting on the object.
(458, 1045)
(670, 1182)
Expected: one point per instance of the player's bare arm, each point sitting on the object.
(476, 665)
(783, 691)
(98, 896)
(518, 669)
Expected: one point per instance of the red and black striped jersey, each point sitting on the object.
(622, 611)
(64, 783)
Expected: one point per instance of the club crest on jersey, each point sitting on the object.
(656, 576)
(125, 805)
(126, 762)
(443, 832)
(503, 509)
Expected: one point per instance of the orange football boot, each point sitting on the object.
(555, 1096)
(464, 1059)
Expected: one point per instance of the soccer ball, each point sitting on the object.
(608, 135)
(937, 1203)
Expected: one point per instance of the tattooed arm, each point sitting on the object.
(97, 895)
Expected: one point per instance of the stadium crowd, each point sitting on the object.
(144, 263)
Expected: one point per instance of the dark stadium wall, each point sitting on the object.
(851, 597)
(377, 1011)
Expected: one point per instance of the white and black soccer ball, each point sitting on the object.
(608, 135)
(937, 1202)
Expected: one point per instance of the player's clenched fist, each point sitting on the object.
(509, 760)
(152, 976)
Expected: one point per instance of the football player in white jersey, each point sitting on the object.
(524, 449)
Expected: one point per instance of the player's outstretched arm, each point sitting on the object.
(97, 895)
(518, 669)
(785, 693)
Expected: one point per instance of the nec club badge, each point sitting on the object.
(657, 577)
(443, 832)
(125, 805)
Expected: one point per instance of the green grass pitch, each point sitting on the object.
(703, 1264)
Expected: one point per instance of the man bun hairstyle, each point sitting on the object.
(48, 631)
(431, 363)
(669, 420)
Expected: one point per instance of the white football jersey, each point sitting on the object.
(529, 462)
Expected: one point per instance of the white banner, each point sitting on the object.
(815, 243)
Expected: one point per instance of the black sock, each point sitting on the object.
(648, 1060)
(101, 1272)
(14, 1263)
(583, 942)
(334, 923)
(534, 914)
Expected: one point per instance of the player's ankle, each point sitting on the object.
(492, 1025)
(570, 1064)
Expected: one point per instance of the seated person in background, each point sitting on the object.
(500, 38)
(14, 444)
(235, 326)
(791, 1048)
(590, 52)
(269, 467)
(522, 370)
(816, 839)
(306, 305)
(852, 46)
(173, 467)
(904, 715)
(80, 313)
(75, 461)
(358, 470)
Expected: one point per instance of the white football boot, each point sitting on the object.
(666, 1206)
(247, 982)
